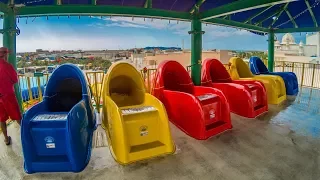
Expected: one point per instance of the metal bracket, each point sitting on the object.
(15, 7)
(196, 32)
(11, 31)
(195, 15)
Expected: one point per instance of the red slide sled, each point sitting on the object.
(201, 112)
(246, 98)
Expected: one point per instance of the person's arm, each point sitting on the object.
(12, 74)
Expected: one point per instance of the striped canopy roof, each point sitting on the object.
(255, 15)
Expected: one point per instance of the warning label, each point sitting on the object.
(51, 145)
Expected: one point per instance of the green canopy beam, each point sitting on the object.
(239, 6)
(275, 20)
(311, 13)
(235, 24)
(125, 11)
(269, 16)
(292, 30)
(291, 18)
(100, 10)
(197, 6)
(148, 4)
(258, 14)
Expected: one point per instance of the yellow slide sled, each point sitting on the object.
(274, 85)
(136, 122)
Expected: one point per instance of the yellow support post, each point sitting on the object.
(96, 83)
(274, 65)
(313, 71)
(47, 75)
(292, 67)
(148, 79)
(39, 89)
(302, 78)
(97, 92)
(29, 89)
(283, 64)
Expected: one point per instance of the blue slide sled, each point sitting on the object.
(290, 79)
(57, 133)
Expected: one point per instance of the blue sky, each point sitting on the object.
(121, 33)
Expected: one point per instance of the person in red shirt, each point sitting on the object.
(9, 107)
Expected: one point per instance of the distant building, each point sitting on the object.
(184, 58)
(137, 60)
(290, 47)
(42, 51)
(314, 39)
(105, 54)
(289, 50)
(41, 54)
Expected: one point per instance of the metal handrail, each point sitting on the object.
(308, 75)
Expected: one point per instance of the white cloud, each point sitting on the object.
(180, 28)
(215, 32)
(53, 42)
(146, 22)
(43, 37)
(125, 24)
(137, 22)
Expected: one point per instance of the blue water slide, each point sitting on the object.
(57, 133)
(290, 79)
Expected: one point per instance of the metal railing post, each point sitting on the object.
(96, 94)
(148, 79)
(292, 67)
(302, 78)
(313, 71)
(39, 89)
(29, 89)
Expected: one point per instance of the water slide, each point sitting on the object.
(276, 90)
(136, 122)
(257, 67)
(56, 133)
(246, 98)
(200, 112)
